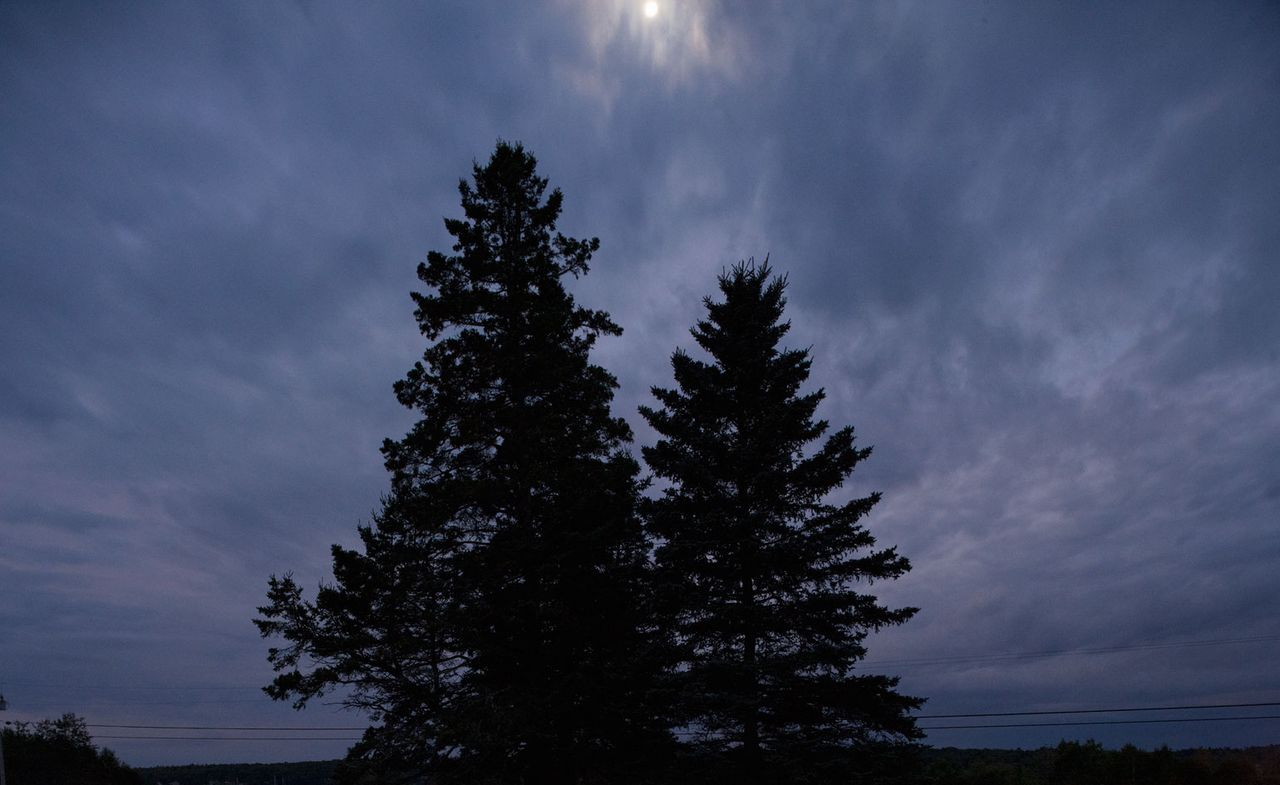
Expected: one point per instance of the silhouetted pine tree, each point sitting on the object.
(764, 579)
(495, 622)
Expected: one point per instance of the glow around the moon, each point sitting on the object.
(650, 9)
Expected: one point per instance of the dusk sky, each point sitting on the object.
(1034, 246)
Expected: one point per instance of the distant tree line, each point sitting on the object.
(1069, 763)
(60, 752)
(527, 606)
(319, 772)
(1088, 763)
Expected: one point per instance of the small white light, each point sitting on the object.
(651, 9)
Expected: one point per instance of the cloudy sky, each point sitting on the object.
(1033, 246)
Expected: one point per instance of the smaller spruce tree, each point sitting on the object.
(762, 577)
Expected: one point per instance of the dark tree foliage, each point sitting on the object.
(1088, 763)
(60, 752)
(493, 623)
(764, 579)
(317, 772)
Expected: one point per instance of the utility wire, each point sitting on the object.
(871, 663)
(143, 687)
(230, 738)
(1114, 710)
(1021, 655)
(1103, 722)
(139, 687)
(224, 727)
(929, 728)
(159, 700)
(1096, 711)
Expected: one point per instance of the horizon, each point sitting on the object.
(1178, 751)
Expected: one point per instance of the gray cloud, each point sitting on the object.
(1032, 247)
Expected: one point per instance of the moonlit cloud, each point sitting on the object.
(678, 44)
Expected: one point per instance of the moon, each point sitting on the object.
(650, 9)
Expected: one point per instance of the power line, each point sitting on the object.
(1103, 722)
(1096, 711)
(1068, 652)
(223, 727)
(1113, 710)
(929, 728)
(870, 663)
(925, 728)
(139, 687)
(263, 701)
(229, 738)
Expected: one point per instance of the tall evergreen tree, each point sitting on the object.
(763, 577)
(495, 623)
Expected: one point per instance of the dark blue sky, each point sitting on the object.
(1034, 247)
